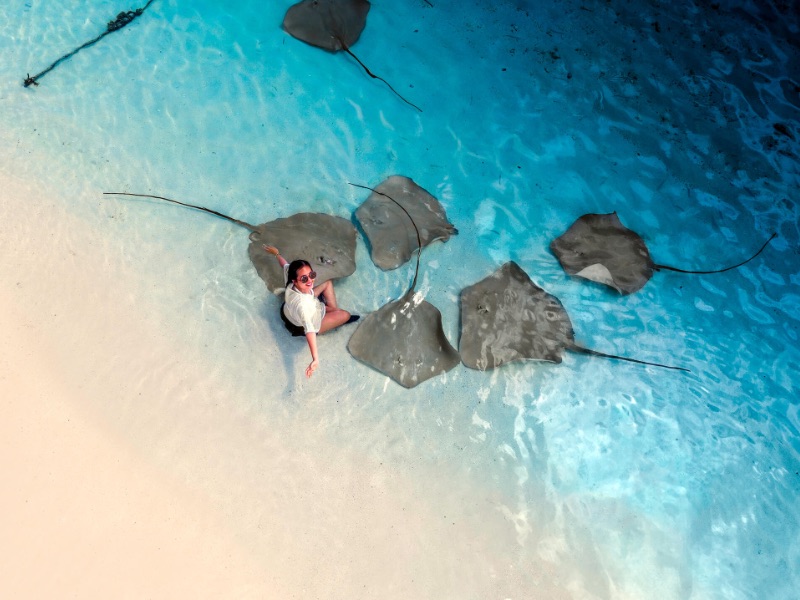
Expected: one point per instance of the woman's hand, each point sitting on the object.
(271, 249)
(312, 367)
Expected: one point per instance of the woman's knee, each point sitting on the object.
(341, 316)
(333, 319)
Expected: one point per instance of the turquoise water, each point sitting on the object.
(629, 481)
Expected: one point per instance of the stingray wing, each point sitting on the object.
(391, 234)
(506, 317)
(600, 248)
(325, 241)
(404, 340)
(328, 24)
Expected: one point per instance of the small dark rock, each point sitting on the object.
(783, 130)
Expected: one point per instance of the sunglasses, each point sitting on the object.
(304, 278)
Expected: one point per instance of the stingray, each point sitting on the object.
(325, 241)
(333, 25)
(398, 218)
(506, 318)
(600, 248)
(122, 19)
(404, 339)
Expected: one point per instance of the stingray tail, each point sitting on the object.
(583, 350)
(419, 239)
(203, 208)
(371, 74)
(744, 262)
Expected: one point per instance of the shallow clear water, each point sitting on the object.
(630, 481)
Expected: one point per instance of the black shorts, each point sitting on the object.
(295, 330)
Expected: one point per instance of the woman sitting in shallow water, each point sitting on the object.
(308, 310)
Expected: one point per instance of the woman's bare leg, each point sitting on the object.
(326, 289)
(334, 317)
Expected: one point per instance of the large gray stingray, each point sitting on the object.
(333, 25)
(404, 339)
(398, 218)
(600, 248)
(506, 317)
(325, 241)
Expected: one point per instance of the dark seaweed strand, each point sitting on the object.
(419, 239)
(744, 262)
(208, 210)
(371, 74)
(583, 350)
(123, 19)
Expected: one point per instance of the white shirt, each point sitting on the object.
(304, 310)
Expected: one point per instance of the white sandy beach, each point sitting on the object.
(82, 515)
